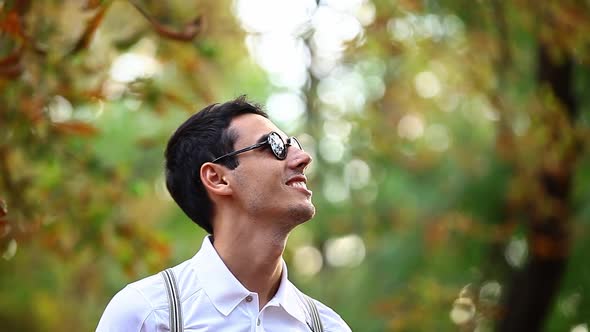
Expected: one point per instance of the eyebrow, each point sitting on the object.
(262, 138)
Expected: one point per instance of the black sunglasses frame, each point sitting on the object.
(267, 141)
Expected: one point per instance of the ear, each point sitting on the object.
(214, 180)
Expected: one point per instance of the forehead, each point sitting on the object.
(250, 127)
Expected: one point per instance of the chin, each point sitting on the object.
(303, 213)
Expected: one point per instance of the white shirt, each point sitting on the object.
(212, 299)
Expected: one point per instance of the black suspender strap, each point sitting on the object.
(176, 324)
(315, 323)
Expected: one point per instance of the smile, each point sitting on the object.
(298, 184)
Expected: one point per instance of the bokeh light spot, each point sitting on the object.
(331, 149)
(490, 292)
(335, 190)
(463, 311)
(427, 84)
(308, 260)
(437, 137)
(286, 108)
(129, 67)
(357, 173)
(410, 127)
(516, 252)
(10, 250)
(60, 109)
(347, 251)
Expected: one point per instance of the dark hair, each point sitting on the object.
(200, 139)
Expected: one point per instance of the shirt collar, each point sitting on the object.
(288, 297)
(220, 285)
(226, 292)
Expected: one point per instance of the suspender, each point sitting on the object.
(176, 323)
(312, 309)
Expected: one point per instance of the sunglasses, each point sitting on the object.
(277, 145)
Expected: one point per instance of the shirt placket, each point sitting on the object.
(251, 302)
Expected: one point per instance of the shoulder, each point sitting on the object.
(144, 302)
(331, 320)
(131, 307)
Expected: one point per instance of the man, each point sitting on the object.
(238, 176)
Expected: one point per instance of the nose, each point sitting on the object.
(298, 159)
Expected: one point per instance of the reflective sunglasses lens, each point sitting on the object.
(295, 143)
(277, 145)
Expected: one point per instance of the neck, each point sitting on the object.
(253, 257)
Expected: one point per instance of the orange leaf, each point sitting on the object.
(91, 28)
(12, 71)
(3, 208)
(92, 4)
(10, 65)
(76, 128)
(12, 58)
(11, 24)
(32, 108)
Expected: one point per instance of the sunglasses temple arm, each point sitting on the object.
(252, 147)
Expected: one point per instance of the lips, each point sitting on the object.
(298, 185)
(299, 182)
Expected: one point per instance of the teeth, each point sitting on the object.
(298, 184)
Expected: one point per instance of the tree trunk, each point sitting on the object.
(533, 289)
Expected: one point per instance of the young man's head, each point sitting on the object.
(202, 138)
(267, 193)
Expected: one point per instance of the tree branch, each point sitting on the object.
(187, 33)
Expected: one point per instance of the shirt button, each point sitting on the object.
(249, 298)
(258, 322)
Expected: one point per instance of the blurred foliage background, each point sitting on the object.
(450, 139)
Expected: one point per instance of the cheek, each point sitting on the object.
(263, 177)
(261, 181)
